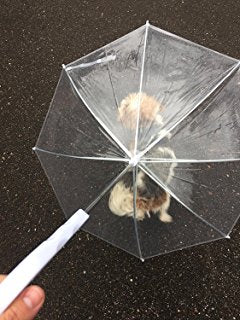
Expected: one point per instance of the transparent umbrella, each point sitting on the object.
(143, 134)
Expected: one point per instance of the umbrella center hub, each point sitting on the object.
(134, 160)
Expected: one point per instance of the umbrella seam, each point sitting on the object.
(154, 160)
(79, 157)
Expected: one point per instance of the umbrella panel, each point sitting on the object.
(71, 130)
(211, 132)
(157, 235)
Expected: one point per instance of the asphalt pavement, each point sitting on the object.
(90, 279)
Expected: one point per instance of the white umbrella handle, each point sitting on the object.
(27, 270)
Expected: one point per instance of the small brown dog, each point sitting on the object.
(151, 198)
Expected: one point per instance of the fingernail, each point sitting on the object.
(33, 297)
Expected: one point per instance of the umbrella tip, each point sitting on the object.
(134, 160)
(34, 148)
(227, 237)
(63, 66)
(142, 259)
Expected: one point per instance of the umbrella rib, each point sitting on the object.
(155, 160)
(162, 185)
(233, 225)
(106, 189)
(97, 118)
(229, 73)
(114, 94)
(190, 182)
(80, 157)
(135, 189)
(140, 88)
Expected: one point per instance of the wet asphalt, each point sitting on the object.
(91, 279)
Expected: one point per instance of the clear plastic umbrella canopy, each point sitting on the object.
(143, 134)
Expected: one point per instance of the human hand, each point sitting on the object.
(26, 305)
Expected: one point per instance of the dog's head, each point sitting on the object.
(129, 110)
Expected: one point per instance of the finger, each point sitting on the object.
(26, 306)
(2, 277)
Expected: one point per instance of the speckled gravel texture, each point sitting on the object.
(90, 279)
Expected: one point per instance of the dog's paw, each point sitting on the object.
(165, 217)
(148, 214)
(140, 215)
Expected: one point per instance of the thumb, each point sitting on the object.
(26, 306)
